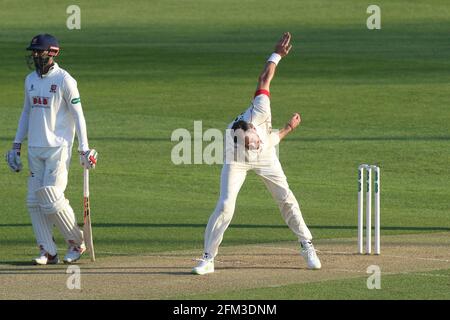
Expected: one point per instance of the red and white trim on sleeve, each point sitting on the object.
(262, 91)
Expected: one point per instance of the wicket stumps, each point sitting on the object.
(368, 168)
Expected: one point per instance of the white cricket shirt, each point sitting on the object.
(52, 111)
(259, 114)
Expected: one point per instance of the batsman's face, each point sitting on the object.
(39, 53)
(41, 59)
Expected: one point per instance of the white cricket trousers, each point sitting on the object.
(46, 203)
(232, 177)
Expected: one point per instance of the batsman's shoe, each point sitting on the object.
(74, 253)
(45, 258)
(206, 265)
(309, 253)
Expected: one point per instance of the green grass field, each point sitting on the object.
(150, 67)
(412, 286)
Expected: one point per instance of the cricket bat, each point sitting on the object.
(87, 228)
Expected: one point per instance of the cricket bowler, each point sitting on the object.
(51, 115)
(253, 130)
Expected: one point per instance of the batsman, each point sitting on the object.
(253, 131)
(51, 115)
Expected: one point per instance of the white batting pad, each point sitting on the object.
(60, 212)
(51, 199)
(67, 225)
(42, 227)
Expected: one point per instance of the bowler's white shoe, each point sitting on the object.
(45, 258)
(309, 253)
(74, 253)
(206, 265)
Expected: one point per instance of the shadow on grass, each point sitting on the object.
(61, 270)
(238, 226)
(18, 263)
(305, 139)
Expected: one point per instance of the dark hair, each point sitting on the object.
(241, 124)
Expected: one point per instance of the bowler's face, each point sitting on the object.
(252, 141)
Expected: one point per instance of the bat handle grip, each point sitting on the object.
(86, 182)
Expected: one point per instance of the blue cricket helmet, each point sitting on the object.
(45, 42)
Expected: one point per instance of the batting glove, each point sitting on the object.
(13, 158)
(88, 159)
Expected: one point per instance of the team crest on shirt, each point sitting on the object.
(53, 88)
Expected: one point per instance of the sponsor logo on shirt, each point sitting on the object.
(32, 87)
(75, 100)
(41, 102)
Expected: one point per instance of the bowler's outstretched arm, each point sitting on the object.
(281, 50)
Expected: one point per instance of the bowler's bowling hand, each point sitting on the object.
(284, 45)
